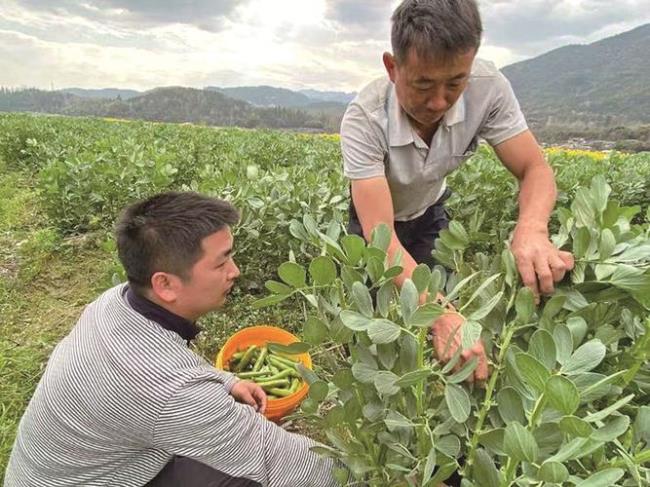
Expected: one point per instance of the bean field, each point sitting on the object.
(567, 402)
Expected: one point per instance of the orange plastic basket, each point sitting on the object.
(276, 409)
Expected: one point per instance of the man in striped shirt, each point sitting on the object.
(124, 402)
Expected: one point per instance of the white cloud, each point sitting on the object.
(323, 44)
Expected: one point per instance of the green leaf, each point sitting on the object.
(479, 290)
(277, 287)
(510, 406)
(585, 358)
(294, 348)
(542, 347)
(486, 308)
(408, 299)
(532, 371)
(459, 233)
(493, 440)
(553, 472)
(350, 276)
(421, 277)
(470, 334)
(524, 305)
(575, 427)
(562, 394)
(307, 374)
(364, 372)
(604, 478)
(603, 413)
(381, 236)
(563, 342)
(385, 383)
(642, 423)
(411, 378)
(600, 192)
(384, 298)
(612, 430)
(387, 355)
(353, 245)
(448, 445)
(318, 390)
(425, 315)
(322, 270)
(553, 306)
(519, 443)
(343, 378)
(459, 286)
(485, 471)
(375, 269)
(362, 299)
(383, 331)
(465, 371)
(436, 282)
(355, 321)
(429, 465)
(578, 328)
(607, 244)
(458, 402)
(292, 274)
(315, 331)
(395, 420)
(392, 272)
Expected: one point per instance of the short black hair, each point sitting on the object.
(435, 28)
(164, 232)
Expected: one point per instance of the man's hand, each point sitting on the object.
(249, 393)
(447, 335)
(539, 262)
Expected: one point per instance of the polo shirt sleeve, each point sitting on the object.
(203, 422)
(504, 118)
(361, 145)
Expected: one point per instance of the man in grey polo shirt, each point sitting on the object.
(403, 134)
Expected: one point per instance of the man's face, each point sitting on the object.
(211, 277)
(427, 88)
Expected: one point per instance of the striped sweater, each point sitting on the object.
(121, 396)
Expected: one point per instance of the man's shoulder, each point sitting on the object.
(374, 95)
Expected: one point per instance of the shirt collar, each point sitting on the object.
(400, 130)
(165, 318)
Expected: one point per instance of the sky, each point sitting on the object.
(295, 44)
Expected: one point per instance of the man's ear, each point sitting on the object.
(165, 286)
(389, 64)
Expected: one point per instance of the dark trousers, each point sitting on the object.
(185, 472)
(417, 235)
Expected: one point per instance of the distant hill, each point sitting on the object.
(267, 96)
(102, 93)
(264, 96)
(169, 104)
(607, 81)
(332, 96)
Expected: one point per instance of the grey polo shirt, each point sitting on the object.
(377, 138)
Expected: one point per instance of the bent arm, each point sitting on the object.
(203, 422)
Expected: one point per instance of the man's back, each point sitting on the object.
(103, 388)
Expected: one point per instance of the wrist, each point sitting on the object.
(531, 227)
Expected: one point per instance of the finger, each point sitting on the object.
(558, 267)
(481, 371)
(260, 398)
(544, 275)
(567, 257)
(248, 398)
(528, 276)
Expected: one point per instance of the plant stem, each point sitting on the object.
(487, 401)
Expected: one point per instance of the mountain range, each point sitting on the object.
(605, 83)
